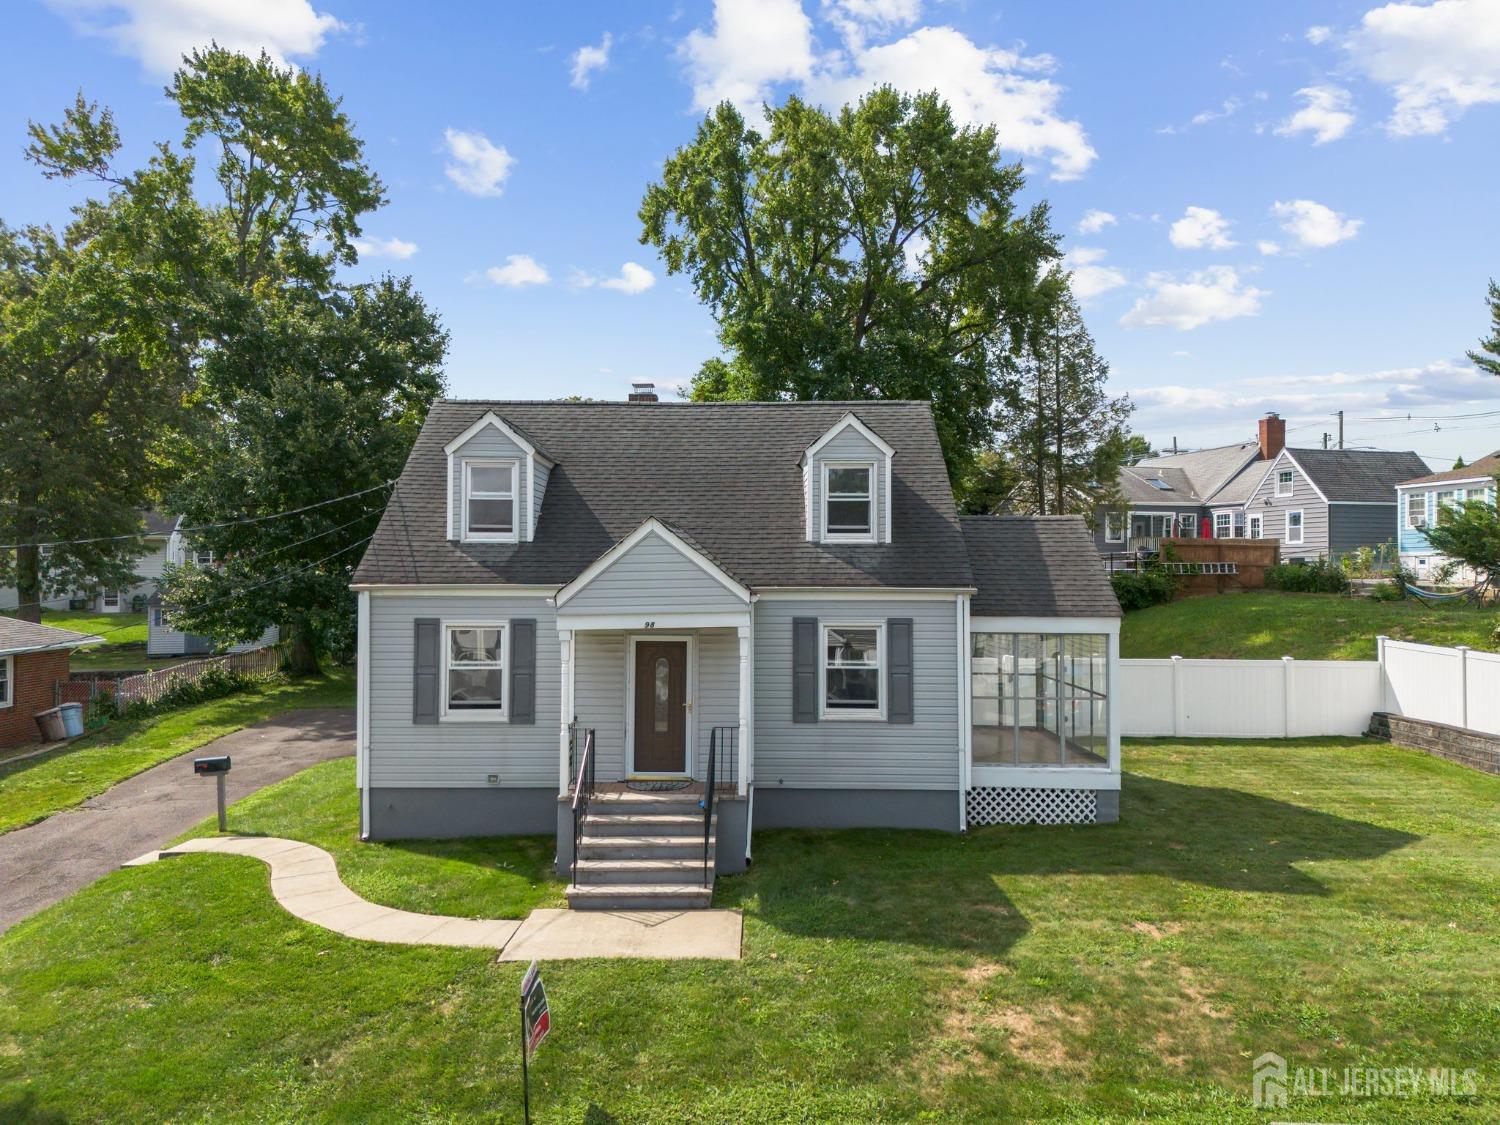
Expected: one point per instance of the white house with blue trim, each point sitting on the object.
(1421, 501)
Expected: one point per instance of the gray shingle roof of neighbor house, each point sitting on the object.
(1365, 475)
(159, 524)
(1136, 487)
(23, 636)
(1208, 469)
(725, 475)
(1486, 466)
(1036, 566)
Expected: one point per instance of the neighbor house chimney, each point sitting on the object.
(643, 392)
(1272, 435)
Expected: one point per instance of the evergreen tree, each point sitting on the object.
(1488, 357)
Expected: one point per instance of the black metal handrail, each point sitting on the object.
(723, 761)
(583, 791)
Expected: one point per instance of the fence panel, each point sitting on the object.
(1483, 683)
(1424, 682)
(1145, 697)
(150, 687)
(1333, 697)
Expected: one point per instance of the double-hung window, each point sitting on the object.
(853, 664)
(1294, 526)
(849, 501)
(1448, 501)
(1284, 481)
(1114, 527)
(110, 600)
(490, 500)
(474, 671)
(1416, 510)
(203, 557)
(7, 678)
(1223, 525)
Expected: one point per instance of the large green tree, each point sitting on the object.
(879, 252)
(306, 388)
(1470, 533)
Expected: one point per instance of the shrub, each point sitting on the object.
(1317, 577)
(216, 682)
(1145, 588)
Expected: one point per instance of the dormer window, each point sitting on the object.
(490, 501)
(848, 501)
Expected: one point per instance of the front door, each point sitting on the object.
(661, 714)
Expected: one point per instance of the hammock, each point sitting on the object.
(1428, 595)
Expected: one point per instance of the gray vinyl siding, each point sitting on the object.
(163, 640)
(149, 566)
(489, 444)
(600, 703)
(653, 577)
(455, 754)
(858, 755)
(1314, 513)
(540, 473)
(850, 445)
(1352, 526)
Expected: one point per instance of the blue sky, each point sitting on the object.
(1293, 204)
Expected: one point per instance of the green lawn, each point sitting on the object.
(38, 787)
(124, 638)
(1270, 625)
(1333, 901)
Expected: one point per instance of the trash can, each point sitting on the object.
(51, 723)
(72, 717)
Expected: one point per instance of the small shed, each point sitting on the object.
(33, 660)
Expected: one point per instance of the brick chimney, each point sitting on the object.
(643, 392)
(1272, 435)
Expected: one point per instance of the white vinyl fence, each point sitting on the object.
(1289, 698)
(1457, 686)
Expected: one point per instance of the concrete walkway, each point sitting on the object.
(305, 881)
(53, 858)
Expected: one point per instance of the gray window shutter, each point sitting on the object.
(804, 669)
(898, 637)
(425, 667)
(523, 671)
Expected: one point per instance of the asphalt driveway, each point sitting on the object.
(50, 860)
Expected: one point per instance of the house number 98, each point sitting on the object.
(650, 625)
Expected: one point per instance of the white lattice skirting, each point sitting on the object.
(1009, 805)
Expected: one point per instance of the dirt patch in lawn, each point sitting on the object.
(981, 1027)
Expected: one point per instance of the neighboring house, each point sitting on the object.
(33, 658)
(164, 639)
(159, 531)
(1421, 502)
(1317, 502)
(785, 584)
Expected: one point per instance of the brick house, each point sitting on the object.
(33, 658)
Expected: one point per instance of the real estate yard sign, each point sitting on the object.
(536, 1021)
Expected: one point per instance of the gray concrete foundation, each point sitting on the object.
(856, 808)
(418, 814)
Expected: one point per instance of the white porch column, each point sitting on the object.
(747, 673)
(565, 693)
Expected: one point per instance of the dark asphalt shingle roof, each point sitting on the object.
(24, 636)
(725, 474)
(1136, 487)
(1368, 475)
(159, 523)
(1486, 466)
(1209, 470)
(1036, 566)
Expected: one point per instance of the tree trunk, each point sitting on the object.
(302, 653)
(1041, 441)
(1057, 396)
(29, 582)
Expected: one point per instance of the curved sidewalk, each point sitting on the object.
(305, 881)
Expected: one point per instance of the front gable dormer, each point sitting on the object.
(846, 485)
(496, 478)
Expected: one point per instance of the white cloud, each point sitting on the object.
(632, 279)
(983, 85)
(159, 32)
(1327, 113)
(1437, 59)
(1090, 278)
(858, 19)
(1267, 247)
(1094, 221)
(1313, 225)
(397, 248)
(588, 59)
(478, 165)
(1318, 34)
(753, 44)
(1201, 228)
(1216, 293)
(519, 270)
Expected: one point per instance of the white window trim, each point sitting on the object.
(1291, 487)
(198, 558)
(1120, 523)
(499, 714)
(1255, 524)
(8, 696)
(1301, 527)
(844, 537)
(1406, 511)
(514, 534)
(104, 600)
(1228, 518)
(856, 716)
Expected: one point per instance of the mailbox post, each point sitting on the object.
(218, 767)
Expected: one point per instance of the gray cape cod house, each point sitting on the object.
(597, 605)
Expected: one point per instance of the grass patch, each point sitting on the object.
(1329, 900)
(115, 628)
(102, 658)
(1269, 625)
(37, 788)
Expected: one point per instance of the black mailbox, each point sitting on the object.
(211, 765)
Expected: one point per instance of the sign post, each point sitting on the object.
(536, 1021)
